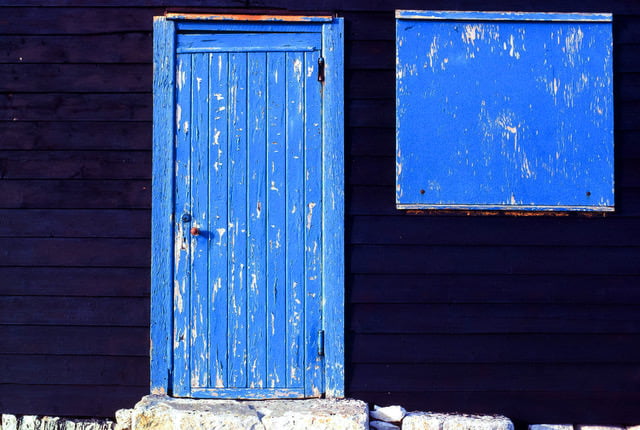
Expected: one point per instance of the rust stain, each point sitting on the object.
(247, 17)
(462, 212)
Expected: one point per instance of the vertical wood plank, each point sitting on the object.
(276, 218)
(162, 207)
(333, 208)
(313, 205)
(294, 181)
(199, 354)
(182, 251)
(237, 201)
(257, 226)
(218, 219)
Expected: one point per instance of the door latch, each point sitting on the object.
(321, 69)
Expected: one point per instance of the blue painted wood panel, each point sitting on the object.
(248, 42)
(504, 111)
(249, 212)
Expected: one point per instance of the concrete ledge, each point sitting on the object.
(166, 413)
(433, 421)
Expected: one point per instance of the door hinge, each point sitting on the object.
(320, 69)
(321, 343)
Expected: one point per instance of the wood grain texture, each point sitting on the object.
(494, 318)
(45, 340)
(75, 107)
(84, 252)
(80, 19)
(78, 135)
(74, 369)
(76, 78)
(501, 259)
(75, 165)
(531, 231)
(495, 349)
(132, 48)
(493, 289)
(496, 377)
(69, 400)
(75, 194)
(84, 311)
(75, 223)
(32, 280)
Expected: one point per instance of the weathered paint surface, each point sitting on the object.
(251, 17)
(248, 291)
(504, 16)
(510, 112)
(162, 238)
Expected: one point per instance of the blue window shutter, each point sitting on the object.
(504, 111)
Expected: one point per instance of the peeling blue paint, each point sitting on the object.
(504, 111)
(253, 286)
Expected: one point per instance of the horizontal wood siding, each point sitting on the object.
(533, 317)
(75, 179)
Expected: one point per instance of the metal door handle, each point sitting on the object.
(195, 231)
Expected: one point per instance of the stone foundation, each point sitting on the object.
(166, 413)
(32, 422)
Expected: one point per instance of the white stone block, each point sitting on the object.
(164, 413)
(587, 427)
(433, 421)
(29, 422)
(551, 427)
(50, 423)
(391, 414)
(423, 421)
(9, 422)
(382, 425)
(316, 414)
(68, 425)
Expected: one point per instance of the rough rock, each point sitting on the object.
(390, 414)
(434, 421)
(161, 412)
(123, 419)
(382, 425)
(9, 422)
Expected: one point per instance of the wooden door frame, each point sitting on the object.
(162, 239)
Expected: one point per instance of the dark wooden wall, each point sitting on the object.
(534, 317)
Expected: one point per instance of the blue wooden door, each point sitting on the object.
(248, 204)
